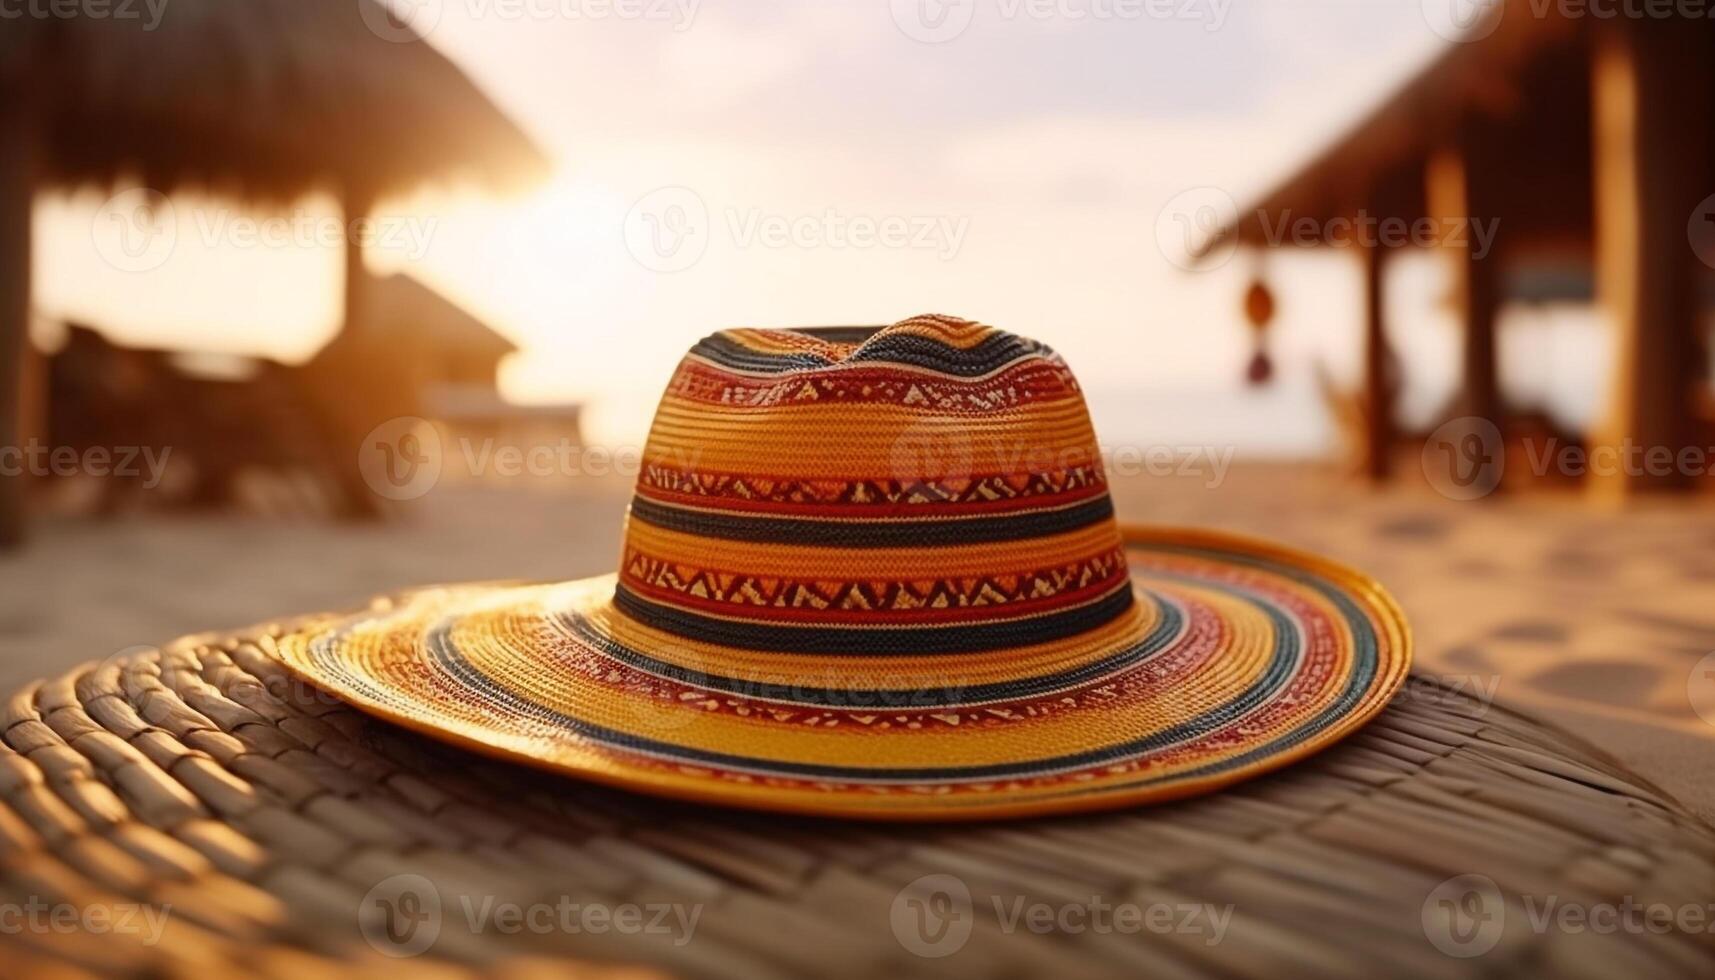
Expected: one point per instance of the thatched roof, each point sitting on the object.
(264, 98)
(1478, 75)
(401, 309)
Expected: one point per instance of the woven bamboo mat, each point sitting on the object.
(194, 811)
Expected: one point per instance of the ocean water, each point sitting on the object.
(1285, 420)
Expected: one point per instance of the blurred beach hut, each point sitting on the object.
(262, 100)
(430, 341)
(1587, 141)
(414, 352)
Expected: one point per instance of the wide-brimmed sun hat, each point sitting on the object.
(876, 573)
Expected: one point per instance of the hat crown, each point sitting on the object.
(930, 486)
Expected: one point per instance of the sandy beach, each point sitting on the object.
(1599, 621)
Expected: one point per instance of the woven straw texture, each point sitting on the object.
(263, 812)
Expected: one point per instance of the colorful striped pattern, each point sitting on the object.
(962, 506)
(823, 622)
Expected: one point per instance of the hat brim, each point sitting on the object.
(1241, 656)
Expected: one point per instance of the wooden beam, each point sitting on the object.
(1650, 97)
(355, 207)
(17, 184)
(1378, 385)
(1453, 176)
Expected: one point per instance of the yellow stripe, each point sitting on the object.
(592, 597)
(507, 661)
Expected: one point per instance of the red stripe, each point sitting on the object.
(1019, 609)
(1034, 380)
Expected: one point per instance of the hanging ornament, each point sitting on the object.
(1259, 311)
(1260, 370)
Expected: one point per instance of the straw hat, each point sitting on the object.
(876, 573)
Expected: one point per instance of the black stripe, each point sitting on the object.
(1167, 628)
(871, 641)
(992, 352)
(932, 533)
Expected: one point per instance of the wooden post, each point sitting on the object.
(17, 183)
(1650, 118)
(356, 206)
(1450, 178)
(1378, 386)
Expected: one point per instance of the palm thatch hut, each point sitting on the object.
(1587, 143)
(264, 100)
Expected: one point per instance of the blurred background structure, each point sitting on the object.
(264, 101)
(1586, 143)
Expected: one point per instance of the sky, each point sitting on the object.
(796, 162)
